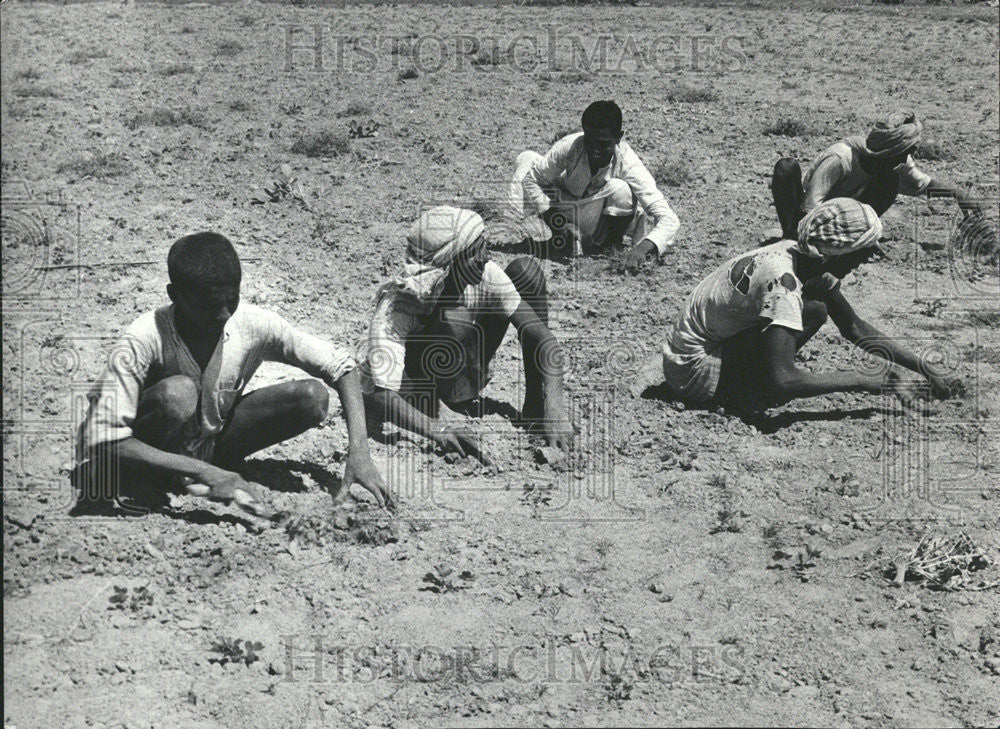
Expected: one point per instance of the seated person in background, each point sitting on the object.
(734, 342)
(171, 407)
(437, 326)
(590, 190)
(873, 170)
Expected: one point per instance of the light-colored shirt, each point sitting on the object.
(837, 172)
(754, 289)
(766, 292)
(397, 315)
(151, 350)
(565, 165)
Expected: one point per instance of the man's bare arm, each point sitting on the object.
(399, 412)
(540, 346)
(359, 467)
(134, 452)
(939, 188)
(867, 337)
(785, 381)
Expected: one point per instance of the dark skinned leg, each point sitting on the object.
(529, 279)
(163, 410)
(268, 416)
(616, 226)
(742, 378)
(561, 219)
(786, 189)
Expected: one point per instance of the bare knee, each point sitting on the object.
(787, 170)
(621, 201)
(312, 401)
(527, 276)
(175, 399)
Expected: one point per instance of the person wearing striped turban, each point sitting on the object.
(734, 342)
(438, 325)
(873, 169)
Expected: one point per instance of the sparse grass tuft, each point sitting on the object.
(35, 91)
(99, 166)
(85, 54)
(674, 172)
(127, 68)
(490, 56)
(574, 77)
(356, 107)
(930, 150)
(176, 69)
(322, 143)
(229, 48)
(685, 94)
(603, 548)
(245, 20)
(164, 117)
(787, 128)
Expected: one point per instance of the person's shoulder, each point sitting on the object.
(256, 320)
(148, 326)
(627, 156)
(568, 143)
(843, 149)
(775, 259)
(494, 276)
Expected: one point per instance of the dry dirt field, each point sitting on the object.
(692, 568)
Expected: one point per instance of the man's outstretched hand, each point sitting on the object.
(638, 254)
(359, 469)
(222, 485)
(945, 387)
(455, 439)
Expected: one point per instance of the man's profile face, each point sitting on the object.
(600, 146)
(206, 309)
(885, 165)
(840, 266)
(468, 266)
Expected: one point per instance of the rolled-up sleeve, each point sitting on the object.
(912, 179)
(114, 399)
(544, 173)
(293, 346)
(665, 221)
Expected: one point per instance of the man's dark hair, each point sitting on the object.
(603, 115)
(203, 260)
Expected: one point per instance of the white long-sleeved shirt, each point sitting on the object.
(566, 166)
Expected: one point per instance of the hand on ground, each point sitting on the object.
(359, 469)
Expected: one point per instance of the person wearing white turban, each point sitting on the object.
(438, 324)
(873, 169)
(734, 342)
